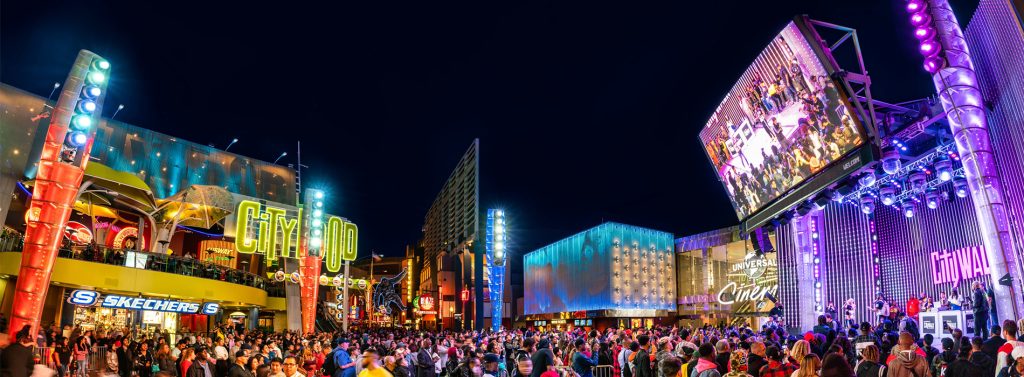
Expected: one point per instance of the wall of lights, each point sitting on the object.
(496, 262)
(997, 47)
(611, 266)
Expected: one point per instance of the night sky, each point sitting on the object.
(585, 112)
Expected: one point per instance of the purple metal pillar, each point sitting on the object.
(961, 98)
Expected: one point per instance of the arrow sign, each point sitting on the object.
(1006, 280)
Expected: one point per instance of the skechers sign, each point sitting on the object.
(83, 297)
(276, 232)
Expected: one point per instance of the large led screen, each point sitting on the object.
(609, 267)
(782, 122)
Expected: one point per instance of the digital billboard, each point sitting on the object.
(781, 123)
(609, 267)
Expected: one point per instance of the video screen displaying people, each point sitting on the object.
(782, 122)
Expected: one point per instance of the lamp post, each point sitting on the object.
(280, 157)
(235, 140)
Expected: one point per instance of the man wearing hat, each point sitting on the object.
(238, 369)
(201, 366)
(344, 366)
(491, 368)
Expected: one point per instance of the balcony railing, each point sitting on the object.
(13, 242)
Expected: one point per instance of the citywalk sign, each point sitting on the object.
(277, 232)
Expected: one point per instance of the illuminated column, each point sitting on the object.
(61, 168)
(804, 308)
(953, 74)
(496, 243)
(311, 261)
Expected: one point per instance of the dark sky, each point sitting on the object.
(586, 112)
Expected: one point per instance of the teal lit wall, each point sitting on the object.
(611, 266)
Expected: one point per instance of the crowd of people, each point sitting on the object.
(723, 351)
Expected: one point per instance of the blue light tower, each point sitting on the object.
(496, 246)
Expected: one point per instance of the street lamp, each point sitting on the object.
(119, 107)
(280, 157)
(233, 141)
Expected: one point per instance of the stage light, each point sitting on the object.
(96, 78)
(318, 195)
(929, 47)
(920, 19)
(915, 5)
(81, 122)
(924, 32)
(100, 64)
(934, 64)
(908, 208)
(943, 168)
(91, 92)
(932, 199)
(960, 187)
(867, 179)
(917, 180)
(887, 193)
(86, 106)
(867, 204)
(77, 139)
(804, 209)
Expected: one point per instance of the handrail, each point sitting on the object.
(13, 242)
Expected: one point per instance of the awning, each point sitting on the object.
(124, 185)
(197, 206)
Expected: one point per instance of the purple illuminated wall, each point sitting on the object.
(997, 46)
(846, 259)
(789, 274)
(905, 245)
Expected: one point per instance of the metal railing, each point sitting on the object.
(13, 242)
(96, 360)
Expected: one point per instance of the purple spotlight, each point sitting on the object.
(929, 48)
(934, 64)
(915, 5)
(920, 19)
(924, 32)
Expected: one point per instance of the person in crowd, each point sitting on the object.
(401, 368)
(869, 366)
(624, 358)
(240, 367)
(929, 351)
(543, 359)
(61, 357)
(980, 359)
(188, 356)
(706, 366)
(144, 361)
(738, 366)
(822, 326)
(722, 356)
(809, 366)
(276, 367)
(642, 358)
(343, 364)
(962, 366)
(800, 349)
(17, 359)
(252, 365)
(200, 365)
(980, 307)
(835, 365)
(671, 367)
(1006, 351)
(583, 360)
(778, 365)
(756, 359)
(907, 359)
(492, 368)
(165, 361)
(992, 344)
(290, 366)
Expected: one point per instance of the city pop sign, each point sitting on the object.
(275, 231)
(84, 297)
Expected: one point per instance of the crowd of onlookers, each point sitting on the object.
(709, 351)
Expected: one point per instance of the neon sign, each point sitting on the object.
(758, 278)
(83, 297)
(957, 265)
(271, 231)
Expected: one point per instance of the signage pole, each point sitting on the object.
(345, 304)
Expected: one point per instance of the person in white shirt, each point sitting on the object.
(220, 352)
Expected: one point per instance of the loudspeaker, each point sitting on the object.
(762, 244)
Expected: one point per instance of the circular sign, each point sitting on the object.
(351, 283)
(426, 303)
(336, 281)
(324, 280)
(755, 265)
(78, 233)
(361, 283)
(127, 238)
(279, 275)
(294, 277)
